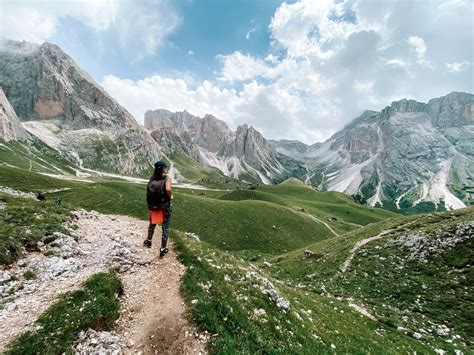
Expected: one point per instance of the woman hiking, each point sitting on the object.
(159, 198)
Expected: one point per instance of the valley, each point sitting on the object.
(362, 243)
(319, 273)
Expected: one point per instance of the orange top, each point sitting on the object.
(156, 217)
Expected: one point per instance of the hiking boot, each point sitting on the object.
(163, 252)
(147, 243)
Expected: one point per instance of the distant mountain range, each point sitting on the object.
(408, 153)
(409, 156)
(243, 154)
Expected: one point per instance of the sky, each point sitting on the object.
(293, 70)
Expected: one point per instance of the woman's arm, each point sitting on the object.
(168, 188)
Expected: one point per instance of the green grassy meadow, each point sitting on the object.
(265, 230)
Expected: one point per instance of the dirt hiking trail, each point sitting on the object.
(153, 315)
(152, 319)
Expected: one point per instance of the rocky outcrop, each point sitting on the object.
(243, 154)
(67, 106)
(10, 125)
(410, 152)
(173, 141)
(423, 246)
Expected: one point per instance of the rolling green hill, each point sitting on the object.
(248, 280)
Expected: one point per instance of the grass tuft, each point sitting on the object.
(25, 222)
(30, 275)
(94, 306)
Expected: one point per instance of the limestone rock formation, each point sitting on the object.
(243, 154)
(10, 125)
(171, 141)
(408, 153)
(66, 108)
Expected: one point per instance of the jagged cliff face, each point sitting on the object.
(243, 154)
(10, 125)
(173, 140)
(408, 153)
(67, 109)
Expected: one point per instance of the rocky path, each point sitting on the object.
(322, 222)
(359, 245)
(310, 216)
(347, 263)
(152, 319)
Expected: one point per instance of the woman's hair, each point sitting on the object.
(158, 173)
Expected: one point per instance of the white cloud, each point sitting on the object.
(273, 110)
(249, 33)
(190, 52)
(238, 67)
(341, 57)
(139, 28)
(314, 27)
(37, 21)
(419, 46)
(457, 67)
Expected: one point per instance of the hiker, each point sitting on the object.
(159, 199)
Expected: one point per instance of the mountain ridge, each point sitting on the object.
(409, 152)
(243, 153)
(64, 107)
(10, 125)
(410, 155)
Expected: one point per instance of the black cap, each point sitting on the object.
(160, 164)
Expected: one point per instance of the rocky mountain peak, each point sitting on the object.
(409, 152)
(48, 89)
(48, 84)
(405, 105)
(457, 106)
(183, 120)
(243, 152)
(213, 133)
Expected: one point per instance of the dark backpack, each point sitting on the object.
(156, 196)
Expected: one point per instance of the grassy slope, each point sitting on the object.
(34, 156)
(411, 294)
(25, 222)
(219, 217)
(225, 299)
(339, 211)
